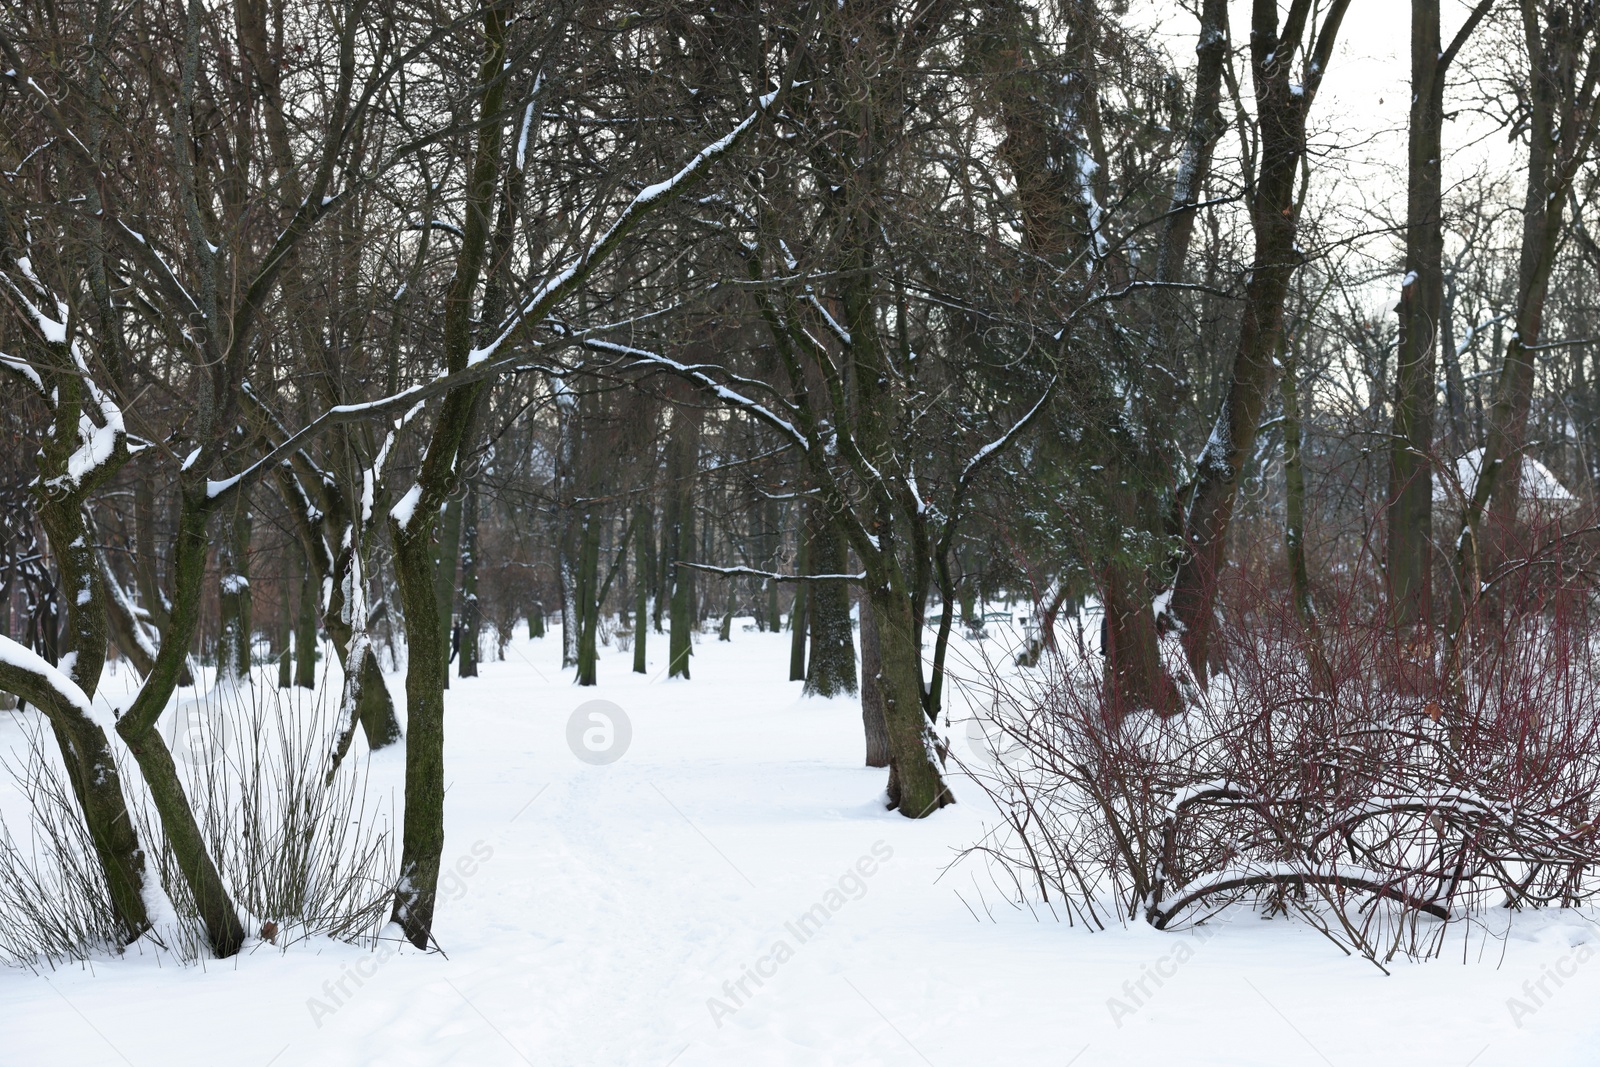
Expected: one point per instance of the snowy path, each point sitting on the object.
(619, 899)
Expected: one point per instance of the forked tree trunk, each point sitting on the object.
(1281, 105)
(1563, 121)
(412, 530)
(916, 788)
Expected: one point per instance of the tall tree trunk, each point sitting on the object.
(447, 558)
(682, 466)
(588, 590)
(774, 545)
(412, 529)
(1562, 123)
(285, 621)
(305, 633)
(471, 618)
(233, 639)
(1409, 513)
(798, 624)
(916, 788)
(1294, 527)
(137, 727)
(85, 749)
(1281, 106)
(643, 536)
(146, 558)
(872, 720)
(832, 670)
(1133, 661)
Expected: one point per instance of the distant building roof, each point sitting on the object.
(1539, 482)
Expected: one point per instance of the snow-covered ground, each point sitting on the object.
(622, 914)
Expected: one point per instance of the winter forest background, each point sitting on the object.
(1168, 433)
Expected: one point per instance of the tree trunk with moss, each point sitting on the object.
(85, 749)
(138, 728)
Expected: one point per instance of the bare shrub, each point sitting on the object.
(1402, 786)
(304, 852)
(54, 903)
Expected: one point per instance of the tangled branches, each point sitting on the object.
(1379, 806)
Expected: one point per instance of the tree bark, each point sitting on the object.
(1409, 513)
(682, 466)
(916, 788)
(85, 749)
(427, 672)
(642, 538)
(305, 633)
(471, 619)
(1281, 106)
(798, 610)
(285, 621)
(832, 670)
(447, 560)
(234, 600)
(588, 590)
(876, 729)
(138, 729)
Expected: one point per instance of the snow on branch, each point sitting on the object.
(34, 679)
(1255, 875)
(25, 371)
(646, 201)
(993, 448)
(772, 576)
(696, 374)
